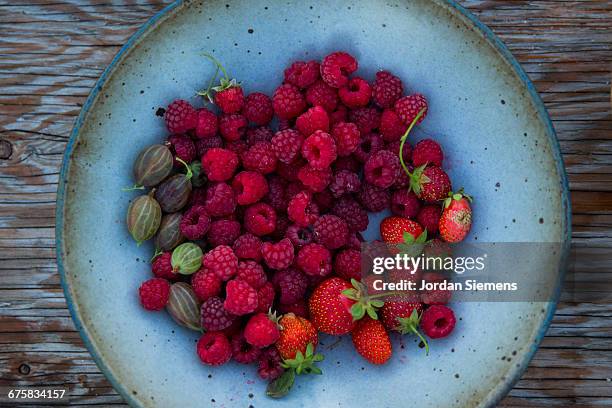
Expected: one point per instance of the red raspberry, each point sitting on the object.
(366, 119)
(292, 189)
(219, 164)
(312, 120)
(195, 223)
(405, 203)
(374, 198)
(183, 148)
(214, 349)
(347, 138)
(382, 169)
(261, 330)
(234, 329)
(438, 321)
(249, 187)
(162, 266)
(394, 147)
(435, 296)
(387, 89)
(232, 127)
(205, 284)
(279, 255)
(276, 194)
(252, 273)
(180, 117)
(356, 93)
(302, 74)
(399, 307)
(248, 246)
(258, 108)
(299, 308)
(260, 219)
(336, 68)
(154, 293)
(220, 200)
(429, 217)
(265, 297)
(347, 264)
(348, 163)
(291, 284)
(259, 134)
(223, 232)
(321, 94)
(338, 115)
(427, 151)
(282, 223)
(237, 146)
(299, 236)
(214, 317)
(240, 297)
(207, 124)
(243, 352)
(315, 180)
(344, 182)
(319, 149)
(355, 216)
(287, 144)
(354, 241)
(260, 157)
(288, 101)
(221, 261)
(207, 143)
(230, 100)
(331, 231)
(391, 126)
(409, 107)
(324, 200)
(314, 260)
(269, 365)
(289, 171)
(370, 144)
(301, 209)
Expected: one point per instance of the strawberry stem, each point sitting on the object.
(218, 64)
(405, 137)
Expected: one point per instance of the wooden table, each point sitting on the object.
(52, 52)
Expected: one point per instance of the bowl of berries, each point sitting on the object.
(227, 187)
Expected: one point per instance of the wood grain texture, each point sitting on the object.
(52, 52)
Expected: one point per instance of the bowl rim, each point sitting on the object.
(503, 387)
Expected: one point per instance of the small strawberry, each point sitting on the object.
(229, 96)
(303, 363)
(296, 334)
(262, 330)
(456, 219)
(410, 325)
(394, 230)
(430, 183)
(371, 340)
(399, 307)
(330, 310)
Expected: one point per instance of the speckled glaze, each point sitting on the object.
(500, 146)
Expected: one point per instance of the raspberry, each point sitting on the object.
(154, 293)
(399, 307)
(265, 297)
(301, 209)
(331, 231)
(183, 148)
(234, 329)
(347, 264)
(260, 219)
(299, 308)
(261, 330)
(232, 127)
(180, 117)
(240, 297)
(312, 120)
(248, 246)
(284, 124)
(302, 74)
(354, 241)
(438, 321)
(355, 216)
(293, 189)
(319, 149)
(288, 101)
(289, 171)
(214, 349)
(259, 134)
(299, 236)
(276, 194)
(162, 267)
(391, 126)
(287, 144)
(394, 147)
(291, 284)
(205, 284)
(314, 260)
(370, 144)
(219, 164)
(195, 223)
(249, 187)
(409, 107)
(344, 182)
(321, 94)
(207, 124)
(429, 217)
(258, 108)
(223, 232)
(387, 89)
(243, 352)
(205, 144)
(324, 200)
(349, 163)
(374, 198)
(221, 261)
(260, 157)
(382, 169)
(405, 203)
(220, 200)
(237, 146)
(214, 317)
(252, 273)
(435, 296)
(315, 180)
(269, 365)
(347, 138)
(427, 151)
(230, 100)
(356, 93)
(366, 119)
(278, 255)
(336, 67)
(338, 115)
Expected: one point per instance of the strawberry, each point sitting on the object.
(228, 94)
(456, 219)
(296, 334)
(330, 310)
(372, 341)
(393, 229)
(303, 363)
(262, 330)
(399, 307)
(430, 183)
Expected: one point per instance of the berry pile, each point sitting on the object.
(257, 205)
